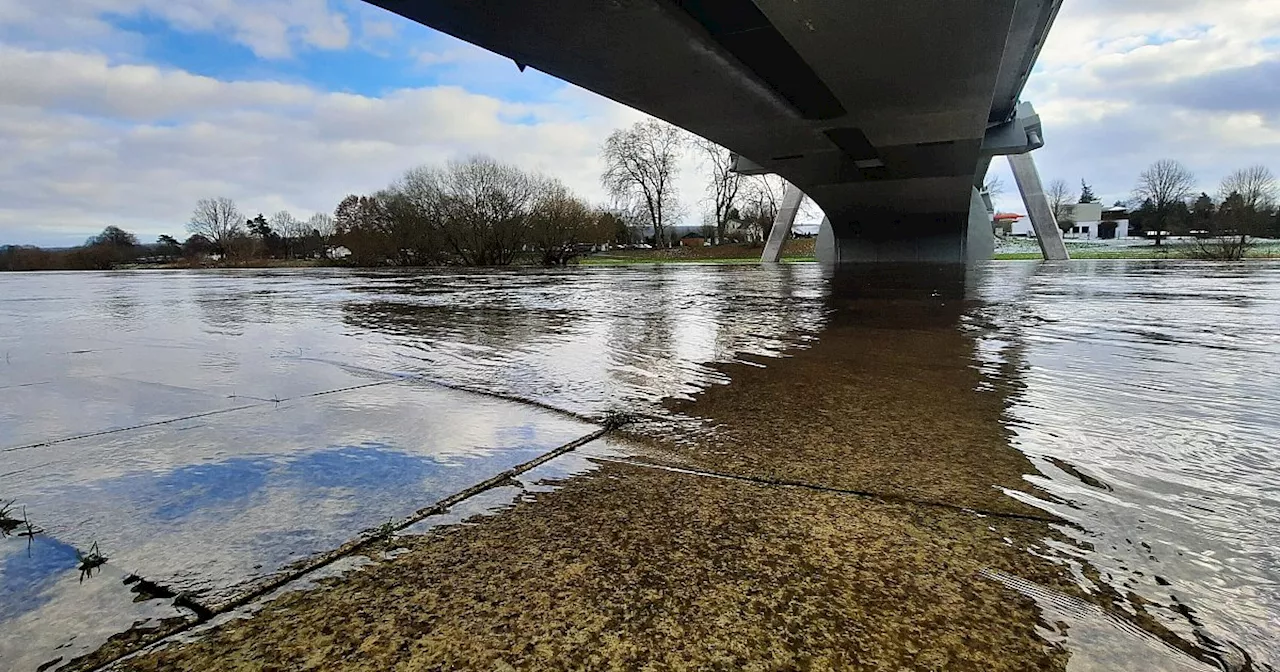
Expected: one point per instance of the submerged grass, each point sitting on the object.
(615, 419)
(7, 522)
(90, 561)
(631, 567)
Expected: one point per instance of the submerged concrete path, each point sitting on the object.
(691, 555)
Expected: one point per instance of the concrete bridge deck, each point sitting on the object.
(886, 114)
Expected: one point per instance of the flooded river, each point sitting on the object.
(205, 429)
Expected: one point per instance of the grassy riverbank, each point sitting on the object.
(800, 249)
(1025, 249)
(247, 263)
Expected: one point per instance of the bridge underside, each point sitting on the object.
(879, 111)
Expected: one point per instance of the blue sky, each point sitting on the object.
(126, 112)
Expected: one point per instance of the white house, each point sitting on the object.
(1089, 221)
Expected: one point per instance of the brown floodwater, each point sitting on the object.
(207, 428)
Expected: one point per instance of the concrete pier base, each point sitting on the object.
(980, 235)
(824, 248)
(944, 238)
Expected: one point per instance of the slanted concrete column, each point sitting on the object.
(782, 225)
(1042, 220)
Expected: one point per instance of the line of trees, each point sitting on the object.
(218, 229)
(1164, 202)
(481, 212)
(101, 252)
(1222, 227)
(642, 165)
(474, 212)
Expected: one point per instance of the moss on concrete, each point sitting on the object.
(888, 401)
(635, 568)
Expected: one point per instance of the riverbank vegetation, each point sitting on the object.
(471, 212)
(1165, 209)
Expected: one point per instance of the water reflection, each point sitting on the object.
(1147, 392)
(934, 385)
(27, 569)
(590, 340)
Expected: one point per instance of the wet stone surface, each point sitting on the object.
(631, 566)
(941, 472)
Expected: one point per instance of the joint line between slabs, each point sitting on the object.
(272, 583)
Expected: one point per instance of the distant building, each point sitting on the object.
(736, 229)
(693, 240)
(1088, 221)
(1006, 224)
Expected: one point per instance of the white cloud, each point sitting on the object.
(89, 84)
(270, 28)
(1122, 84)
(84, 143)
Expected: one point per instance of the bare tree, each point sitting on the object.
(1061, 199)
(761, 199)
(641, 163)
(994, 186)
(559, 223)
(485, 208)
(766, 193)
(1230, 226)
(725, 184)
(1166, 183)
(218, 221)
(291, 229)
(1256, 186)
(319, 232)
(321, 223)
(1248, 201)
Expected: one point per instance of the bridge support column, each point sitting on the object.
(825, 246)
(942, 238)
(782, 225)
(1042, 219)
(980, 235)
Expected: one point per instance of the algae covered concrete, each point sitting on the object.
(636, 567)
(889, 401)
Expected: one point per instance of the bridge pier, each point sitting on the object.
(943, 238)
(1042, 220)
(782, 223)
